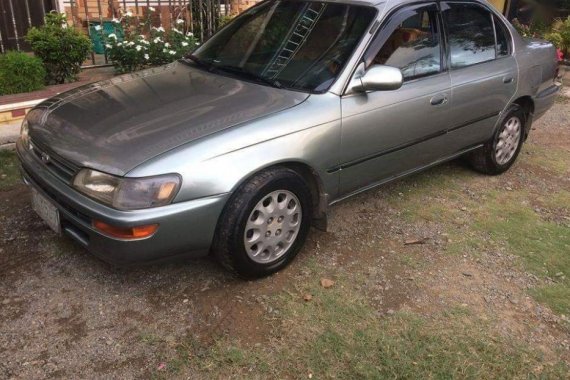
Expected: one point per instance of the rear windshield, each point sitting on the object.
(300, 45)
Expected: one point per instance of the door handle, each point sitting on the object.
(507, 80)
(438, 100)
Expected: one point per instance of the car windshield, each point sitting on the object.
(300, 45)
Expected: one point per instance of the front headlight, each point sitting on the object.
(127, 193)
(24, 133)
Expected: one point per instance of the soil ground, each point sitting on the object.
(446, 274)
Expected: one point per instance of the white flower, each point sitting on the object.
(147, 57)
(98, 27)
(64, 25)
(109, 46)
(164, 50)
(171, 52)
(176, 31)
(119, 44)
(160, 29)
(180, 21)
(113, 35)
(138, 47)
(145, 42)
(190, 34)
(197, 43)
(151, 9)
(130, 43)
(129, 14)
(116, 21)
(157, 40)
(184, 43)
(167, 44)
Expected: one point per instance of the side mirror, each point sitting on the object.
(379, 78)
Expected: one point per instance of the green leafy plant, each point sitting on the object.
(20, 72)
(144, 45)
(526, 31)
(560, 35)
(62, 49)
(224, 19)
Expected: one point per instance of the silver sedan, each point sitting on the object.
(293, 106)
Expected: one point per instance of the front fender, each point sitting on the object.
(308, 134)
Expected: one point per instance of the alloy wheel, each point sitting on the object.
(508, 141)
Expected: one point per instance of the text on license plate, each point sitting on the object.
(46, 210)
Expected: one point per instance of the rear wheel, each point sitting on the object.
(499, 153)
(264, 224)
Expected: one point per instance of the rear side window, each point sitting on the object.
(470, 33)
(414, 45)
(503, 45)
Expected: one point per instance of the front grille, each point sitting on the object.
(36, 181)
(60, 167)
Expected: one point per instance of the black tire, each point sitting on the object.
(484, 159)
(229, 248)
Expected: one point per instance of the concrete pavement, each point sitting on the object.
(8, 136)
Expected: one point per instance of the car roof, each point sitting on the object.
(391, 3)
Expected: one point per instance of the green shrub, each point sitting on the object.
(20, 72)
(61, 49)
(560, 34)
(224, 19)
(144, 45)
(555, 38)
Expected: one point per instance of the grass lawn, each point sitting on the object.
(9, 172)
(340, 332)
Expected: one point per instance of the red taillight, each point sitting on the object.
(137, 232)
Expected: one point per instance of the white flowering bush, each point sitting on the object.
(145, 45)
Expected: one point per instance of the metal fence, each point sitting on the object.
(202, 17)
(16, 17)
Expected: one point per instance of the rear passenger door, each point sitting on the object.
(482, 69)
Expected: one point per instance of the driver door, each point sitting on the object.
(387, 133)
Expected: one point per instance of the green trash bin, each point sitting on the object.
(98, 36)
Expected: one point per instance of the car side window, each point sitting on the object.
(470, 33)
(503, 39)
(414, 46)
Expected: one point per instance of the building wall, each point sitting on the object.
(238, 6)
(499, 4)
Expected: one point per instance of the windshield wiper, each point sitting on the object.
(200, 62)
(240, 72)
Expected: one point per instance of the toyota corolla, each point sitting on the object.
(295, 105)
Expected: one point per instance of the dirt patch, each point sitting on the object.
(493, 289)
(64, 313)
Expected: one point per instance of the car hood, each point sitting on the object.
(115, 125)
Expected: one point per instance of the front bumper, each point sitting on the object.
(186, 229)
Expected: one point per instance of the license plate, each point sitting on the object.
(46, 210)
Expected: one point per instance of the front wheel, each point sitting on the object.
(264, 224)
(499, 153)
